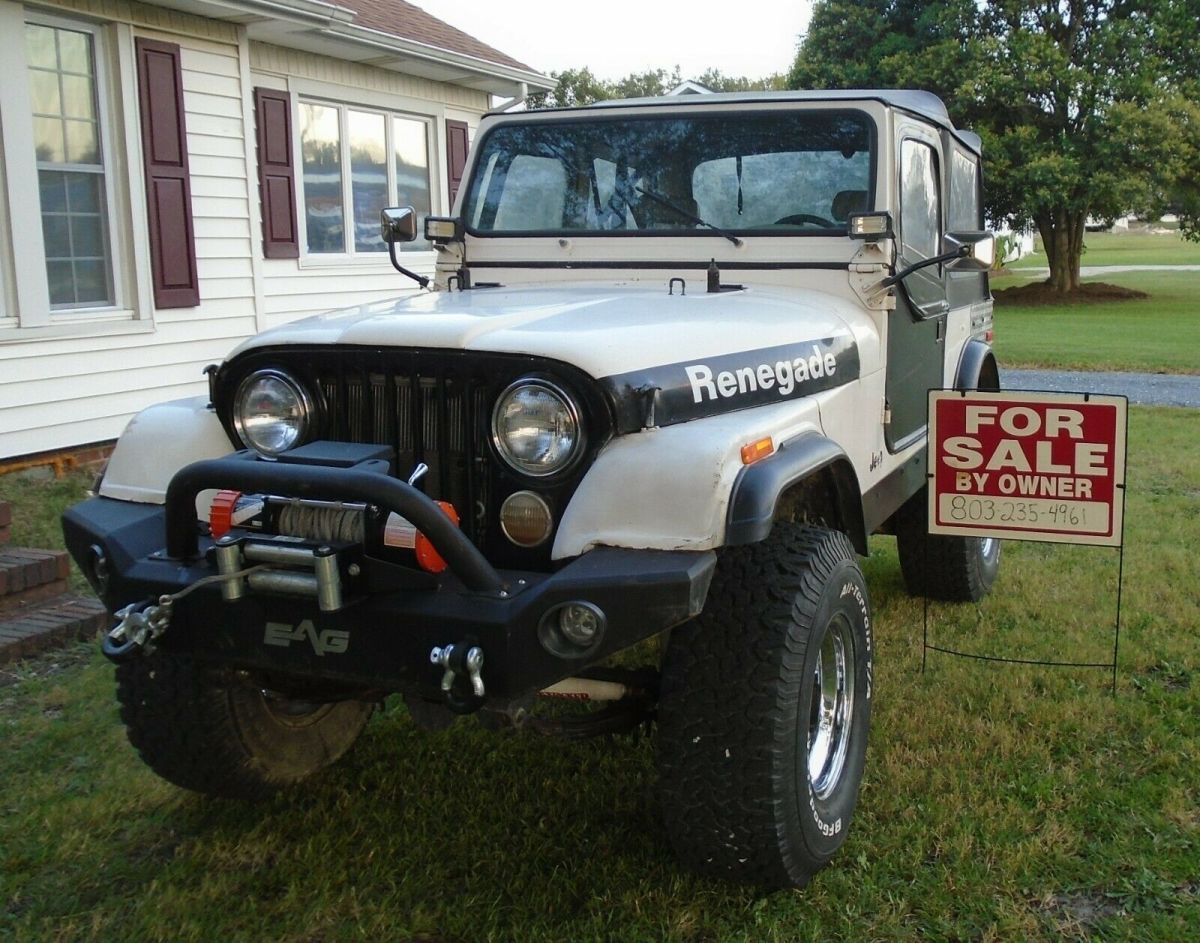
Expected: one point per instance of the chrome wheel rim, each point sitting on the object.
(989, 547)
(831, 712)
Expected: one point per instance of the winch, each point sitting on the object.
(306, 547)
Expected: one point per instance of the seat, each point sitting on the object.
(847, 202)
(674, 187)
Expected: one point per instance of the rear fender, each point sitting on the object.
(977, 369)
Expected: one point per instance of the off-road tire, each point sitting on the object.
(736, 704)
(938, 566)
(216, 732)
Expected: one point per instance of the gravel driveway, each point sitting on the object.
(1158, 389)
(1093, 271)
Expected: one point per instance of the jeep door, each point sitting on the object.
(917, 325)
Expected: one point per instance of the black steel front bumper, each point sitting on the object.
(382, 636)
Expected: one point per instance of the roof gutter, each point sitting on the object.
(337, 22)
(518, 99)
(314, 13)
(362, 35)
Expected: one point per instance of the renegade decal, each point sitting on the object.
(708, 386)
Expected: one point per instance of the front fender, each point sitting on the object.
(158, 442)
(760, 486)
(669, 488)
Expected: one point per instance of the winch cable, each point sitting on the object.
(321, 523)
(167, 600)
(142, 622)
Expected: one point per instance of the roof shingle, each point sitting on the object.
(411, 22)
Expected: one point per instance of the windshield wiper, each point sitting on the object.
(663, 201)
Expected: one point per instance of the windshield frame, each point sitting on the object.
(590, 116)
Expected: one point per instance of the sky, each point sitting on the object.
(613, 38)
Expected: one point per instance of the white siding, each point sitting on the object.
(83, 385)
(275, 60)
(292, 292)
(60, 392)
(295, 288)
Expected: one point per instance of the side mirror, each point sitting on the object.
(974, 251)
(398, 224)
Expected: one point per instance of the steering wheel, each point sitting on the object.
(798, 219)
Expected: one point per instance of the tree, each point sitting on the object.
(572, 87)
(580, 87)
(646, 84)
(1079, 102)
(717, 81)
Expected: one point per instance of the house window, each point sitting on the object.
(70, 166)
(354, 163)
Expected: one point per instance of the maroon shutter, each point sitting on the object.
(276, 177)
(168, 187)
(456, 155)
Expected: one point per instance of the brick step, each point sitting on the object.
(23, 570)
(51, 624)
(5, 522)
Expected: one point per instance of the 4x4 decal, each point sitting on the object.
(325, 642)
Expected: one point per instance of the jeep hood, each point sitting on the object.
(601, 328)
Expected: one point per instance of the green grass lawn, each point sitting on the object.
(1129, 248)
(1159, 334)
(1000, 803)
(41, 502)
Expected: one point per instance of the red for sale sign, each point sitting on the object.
(1028, 466)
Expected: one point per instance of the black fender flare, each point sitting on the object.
(758, 488)
(977, 367)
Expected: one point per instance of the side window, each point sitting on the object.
(920, 225)
(964, 212)
(920, 201)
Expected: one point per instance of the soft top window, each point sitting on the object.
(776, 172)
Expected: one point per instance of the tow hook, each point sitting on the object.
(140, 623)
(462, 677)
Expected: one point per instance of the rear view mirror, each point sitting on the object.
(974, 251)
(398, 224)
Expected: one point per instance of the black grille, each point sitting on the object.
(432, 406)
(439, 416)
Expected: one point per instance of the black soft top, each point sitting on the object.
(923, 104)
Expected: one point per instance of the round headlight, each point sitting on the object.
(271, 412)
(536, 428)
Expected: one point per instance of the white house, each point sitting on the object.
(690, 87)
(181, 174)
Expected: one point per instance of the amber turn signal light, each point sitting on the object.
(756, 451)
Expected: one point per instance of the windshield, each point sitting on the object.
(776, 172)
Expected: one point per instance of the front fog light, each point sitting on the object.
(579, 623)
(572, 630)
(525, 519)
(97, 564)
